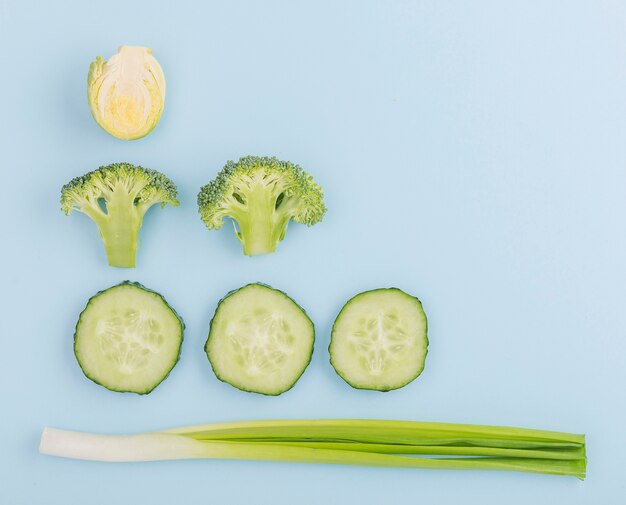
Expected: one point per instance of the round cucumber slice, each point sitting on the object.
(379, 340)
(260, 340)
(128, 338)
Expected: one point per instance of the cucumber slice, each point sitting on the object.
(260, 340)
(128, 338)
(379, 340)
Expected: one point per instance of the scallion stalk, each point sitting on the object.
(339, 441)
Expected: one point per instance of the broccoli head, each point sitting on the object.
(261, 195)
(116, 197)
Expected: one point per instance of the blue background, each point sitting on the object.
(472, 154)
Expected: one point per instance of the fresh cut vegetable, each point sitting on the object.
(261, 195)
(340, 441)
(126, 93)
(116, 197)
(128, 338)
(260, 340)
(379, 340)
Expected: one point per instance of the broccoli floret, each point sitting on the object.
(116, 197)
(261, 195)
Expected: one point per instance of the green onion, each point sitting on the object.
(339, 441)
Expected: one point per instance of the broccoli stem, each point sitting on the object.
(120, 237)
(257, 239)
(262, 227)
(119, 230)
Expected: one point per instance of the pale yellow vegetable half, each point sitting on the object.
(126, 93)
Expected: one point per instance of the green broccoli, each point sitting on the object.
(116, 197)
(261, 195)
